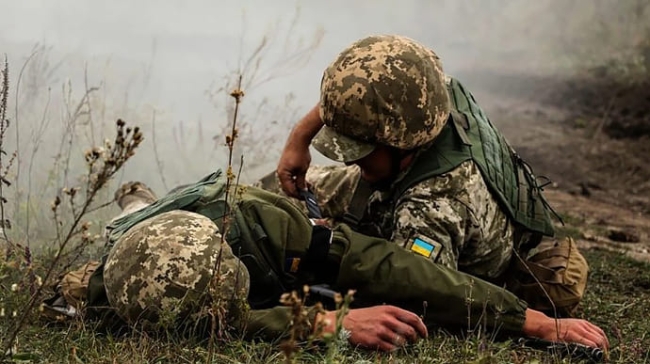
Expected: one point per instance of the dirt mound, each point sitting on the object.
(620, 109)
(589, 134)
(612, 140)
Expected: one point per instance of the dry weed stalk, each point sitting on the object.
(4, 168)
(11, 248)
(341, 336)
(218, 311)
(102, 164)
(159, 163)
(300, 327)
(280, 52)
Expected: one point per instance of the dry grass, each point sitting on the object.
(615, 301)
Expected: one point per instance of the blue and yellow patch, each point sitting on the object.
(426, 247)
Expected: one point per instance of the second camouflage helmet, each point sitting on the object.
(165, 267)
(383, 89)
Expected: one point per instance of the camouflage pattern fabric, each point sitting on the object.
(163, 267)
(382, 89)
(147, 277)
(455, 210)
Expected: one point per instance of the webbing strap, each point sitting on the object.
(358, 204)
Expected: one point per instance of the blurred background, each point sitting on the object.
(539, 68)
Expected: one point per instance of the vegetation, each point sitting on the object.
(616, 300)
(55, 197)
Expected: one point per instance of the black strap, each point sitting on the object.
(313, 210)
(315, 260)
(358, 204)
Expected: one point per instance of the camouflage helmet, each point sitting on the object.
(382, 89)
(164, 266)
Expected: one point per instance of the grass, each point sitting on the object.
(617, 300)
(576, 226)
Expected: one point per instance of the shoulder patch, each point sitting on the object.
(426, 247)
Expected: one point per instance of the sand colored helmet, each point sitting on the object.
(164, 265)
(383, 89)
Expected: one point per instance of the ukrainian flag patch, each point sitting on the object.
(426, 247)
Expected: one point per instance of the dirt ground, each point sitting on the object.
(592, 139)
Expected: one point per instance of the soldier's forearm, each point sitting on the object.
(306, 128)
(383, 272)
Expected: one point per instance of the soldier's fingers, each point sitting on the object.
(381, 338)
(322, 222)
(603, 336)
(593, 334)
(299, 180)
(598, 340)
(403, 330)
(412, 320)
(585, 334)
(386, 346)
(287, 183)
(588, 342)
(400, 322)
(390, 340)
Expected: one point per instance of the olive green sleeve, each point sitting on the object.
(383, 272)
(273, 324)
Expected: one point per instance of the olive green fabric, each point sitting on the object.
(265, 231)
(262, 229)
(209, 188)
(469, 135)
(382, 272)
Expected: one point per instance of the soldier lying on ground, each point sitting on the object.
(163, 257)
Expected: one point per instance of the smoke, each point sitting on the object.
(168, 67)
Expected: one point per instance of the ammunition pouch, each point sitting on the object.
(553, 279)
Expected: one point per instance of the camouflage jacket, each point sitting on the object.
(454, 211)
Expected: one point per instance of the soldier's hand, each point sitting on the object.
(295, 158)
(380, 327)
(293, 166)
(566, 330)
